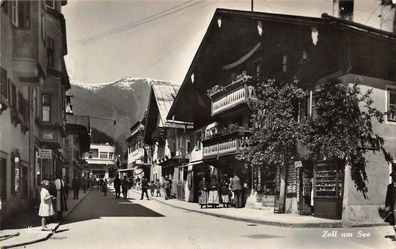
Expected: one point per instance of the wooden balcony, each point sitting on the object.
(232, 95)
(227, 147)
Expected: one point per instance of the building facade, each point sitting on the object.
(100, 161)
(241, 49)
(32, 114)
(139, 157)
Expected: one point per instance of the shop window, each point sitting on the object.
(391, 105)
(50, 52)
(3, 178)
(46, 107)
(20, 14)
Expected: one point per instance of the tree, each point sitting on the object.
(275, 129)
(339, 129)
(342, 129)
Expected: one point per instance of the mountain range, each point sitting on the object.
(123, 101)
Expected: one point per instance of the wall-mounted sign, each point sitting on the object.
(45, 153)
(48, 135)
(298, 164)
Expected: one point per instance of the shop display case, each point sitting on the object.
(328, 189)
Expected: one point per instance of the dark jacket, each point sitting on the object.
(117, 182)
(390, 196)
(75, 184)
(144, 183)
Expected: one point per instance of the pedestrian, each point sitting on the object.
(76, 187)
(213, 197)
(67, 189)
(166, 185)
(152, 188)
(117, 186)
(60, 196)
(224, 192)
(125, 185)
(104, 187)
(46, 209)
(390, 202)
(84, 184)
(237, 190)
(145, 186)
(158, 188)
(203, 193)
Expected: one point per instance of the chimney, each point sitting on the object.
(343, 9)
(387, 17)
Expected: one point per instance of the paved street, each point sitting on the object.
(104, 222)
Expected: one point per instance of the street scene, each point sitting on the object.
(197, 124)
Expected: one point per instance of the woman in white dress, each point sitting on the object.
(46, 209)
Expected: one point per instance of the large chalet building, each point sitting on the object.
(241, 49)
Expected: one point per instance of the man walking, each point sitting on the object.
(236, 189)
(117, 186)
(144, 188)
(125, 186)
(76, 187)
(167, 186)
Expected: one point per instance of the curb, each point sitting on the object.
(50, 234)
(261, 222)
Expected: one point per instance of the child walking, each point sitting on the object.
(46, 209)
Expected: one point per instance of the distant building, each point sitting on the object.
(100, 161)
(138, 154)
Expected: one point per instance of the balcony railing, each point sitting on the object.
(233, 97)
(231, 146)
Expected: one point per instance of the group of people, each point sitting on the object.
(123, 184)
(227, 192)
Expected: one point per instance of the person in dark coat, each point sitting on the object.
(145, 186)
(117, 186)
(390, 199)
(76, 187)
(125, 186)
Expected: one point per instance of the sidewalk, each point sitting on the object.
(265, 216)
(29, 228)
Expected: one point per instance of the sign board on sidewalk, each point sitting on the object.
(298, 164)
(45, 153)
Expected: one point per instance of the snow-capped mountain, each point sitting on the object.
(123, 100)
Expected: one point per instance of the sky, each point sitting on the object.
(157, 39)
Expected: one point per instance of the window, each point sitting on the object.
(198, 136)
(4, 83)
(50, 3)
(103, 155)
(46, 107)
(43, 23)
(391, 104)
(94, 153)
(3, 178)
(284, 63)
(5, 6)
(50, 52)
(20, 12)
(111, 155)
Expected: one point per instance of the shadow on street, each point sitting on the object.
(96, 205)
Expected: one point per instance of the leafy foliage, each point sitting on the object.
(339, 129)
(275, 126)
